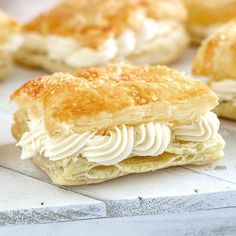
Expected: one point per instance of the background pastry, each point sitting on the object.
(102, 123)
(204, 17)
(216, 58)
(81, 33)
(8, 43)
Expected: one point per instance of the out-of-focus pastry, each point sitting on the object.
(81, 33)
(101, 123)
(204, 17)
(216, 59)
(8, 43)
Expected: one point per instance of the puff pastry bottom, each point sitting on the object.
(5, 64)
(226, 110)
(78, 171)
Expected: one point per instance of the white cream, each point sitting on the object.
(126, 43)
(58, 48)
(60, 148)
(32, 142)
(226, 90)
(199, 130)
(88, 57)
(150, 34)
(70, 52)
(147, 140)
(109, 150)
(151, 139)
(12, 44)
(205, 30)
(35, 42)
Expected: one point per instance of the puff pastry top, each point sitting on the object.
(208, 12)
(216, 57)
(8, 27)
(92, 22)
(97, 98)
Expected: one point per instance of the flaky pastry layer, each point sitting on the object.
(209, 12)
(203, 15)
(79, 171)
(216, 56)
(8, 27)
(99, 98)
(91, 26)
(5, 63)
(226, 110)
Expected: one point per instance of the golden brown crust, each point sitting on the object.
(8, 26)
(226, 110)
(5, 63)
(92, 25)
(80, 171)
(216, 57)
(20, 125)
(97, 98)
(209, 12)
(204, 17)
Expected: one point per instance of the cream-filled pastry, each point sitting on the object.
(102, 123)
(205, 17)
(9, 41)
(216, 60)
(75, 34)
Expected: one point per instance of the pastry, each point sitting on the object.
(216, 59)
(75, 34)
(204, 17)
(101, 123)
(8, 43)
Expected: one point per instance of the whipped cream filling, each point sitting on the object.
(226, 90)
(12, 44)
(70, 52)
(199, 130)
(117, 144)
(204, 30)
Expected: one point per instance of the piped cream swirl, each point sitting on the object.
(151, 139)
(108, 150)
(199, 130)
(60, 148)
(226, 90)
(117, 144)
(32, 143)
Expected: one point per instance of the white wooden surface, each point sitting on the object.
(24, 200)
(219, 222)
(177, 190)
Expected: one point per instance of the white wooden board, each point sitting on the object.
(220, 222)
(24, 200)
